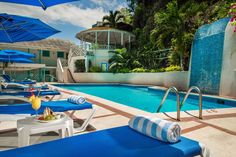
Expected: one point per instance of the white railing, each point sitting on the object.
(60, 71)
(60, 65)
(75, 51)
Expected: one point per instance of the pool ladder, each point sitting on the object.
(179, 105)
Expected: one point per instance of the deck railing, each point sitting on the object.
(102, 47)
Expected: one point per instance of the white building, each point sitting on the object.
(100, 43)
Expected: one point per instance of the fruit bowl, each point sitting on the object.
(49, 116)
(53, 118)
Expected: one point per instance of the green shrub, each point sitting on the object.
(160, 70)
(148, 70)
(94, 69)
(156, 70)
(80, 65)
(124, 70)
(140, 70)
(173, 68)
(152, 71)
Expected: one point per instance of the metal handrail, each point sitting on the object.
(173, 89)
(200, 99)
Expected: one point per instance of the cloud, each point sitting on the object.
(65, 13)
(106, 3)
(110, 4)
(122, 5)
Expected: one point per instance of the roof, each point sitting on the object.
(97, 29)
(89, 35)
(48, 44)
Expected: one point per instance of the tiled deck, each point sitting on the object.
(217, 130)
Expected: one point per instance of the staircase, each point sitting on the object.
(65, 68)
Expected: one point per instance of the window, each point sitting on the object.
(104, 66)
(46, 53)
(60, 54)
(47, 72)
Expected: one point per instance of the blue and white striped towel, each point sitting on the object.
(76, 99)
(156, 128)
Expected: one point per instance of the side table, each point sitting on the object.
(29, 126)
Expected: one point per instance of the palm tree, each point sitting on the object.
(113, 18)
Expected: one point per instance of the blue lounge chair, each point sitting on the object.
(52, 93)
(56, 106)
(8, 79)
(116, 142)
(18, 86)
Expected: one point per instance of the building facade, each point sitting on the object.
(46, 51)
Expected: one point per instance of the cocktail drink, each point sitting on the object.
(36, 104)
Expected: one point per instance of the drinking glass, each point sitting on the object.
(36, 104)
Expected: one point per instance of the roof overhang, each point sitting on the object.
(22, 66)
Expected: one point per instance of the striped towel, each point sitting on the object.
(156, 128)
(76, 99)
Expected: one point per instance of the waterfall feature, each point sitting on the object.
(207, 54)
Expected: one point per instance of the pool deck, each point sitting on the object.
(217, 129)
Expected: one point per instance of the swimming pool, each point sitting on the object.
(147, 99)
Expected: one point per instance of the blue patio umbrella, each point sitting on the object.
(15, 60)
(15, 54)
(14, 28)
(41, 3)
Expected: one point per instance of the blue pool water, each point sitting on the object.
(147, 99)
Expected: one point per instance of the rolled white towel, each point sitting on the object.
(44, 85)
(157, 128)
(76, 99)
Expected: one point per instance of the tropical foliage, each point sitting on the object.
(175, 29)
(95, 69)
(122, 60)
(232, 12)
(164, 31)
(113, 19)
(79, 66)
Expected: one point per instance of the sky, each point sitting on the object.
(69, 18)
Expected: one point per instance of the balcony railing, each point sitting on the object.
(102, 47)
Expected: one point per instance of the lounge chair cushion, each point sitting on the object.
(116, 142)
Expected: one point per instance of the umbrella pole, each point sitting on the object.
(3, 70)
